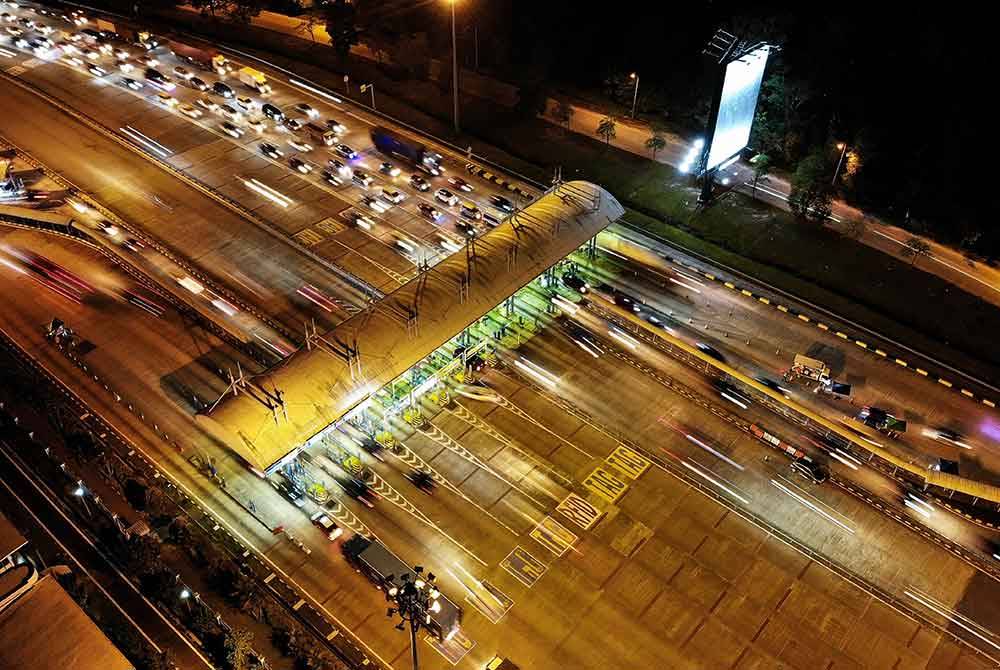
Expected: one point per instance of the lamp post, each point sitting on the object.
(454, 65)
(635, 94)
(369, 87)
(414, 602)
(843, 152)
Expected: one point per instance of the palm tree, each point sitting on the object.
(914, 248)
(655, 143)
(239, 648)
(563, 112)
(761, 168)
(606, 128)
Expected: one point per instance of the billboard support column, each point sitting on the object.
(713, 121)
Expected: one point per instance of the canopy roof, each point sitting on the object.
(346, 365)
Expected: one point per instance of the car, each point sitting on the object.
(228, 112)
(346, 151)
(45, 29)
(131, 83)
(336, 165)
(107, 228)
(67, 48)
(126, 66)
(711, 351)
(294, 125)
(327, 525)
(270, 150)
(189, 110)
(771, 384)
(231, 129)
(156, 78)
(332, 178)
(223, 90)
(72, 60)
(491, 220)
(307, 109)
(165, 98)
(26, 22)
(446, 196)
(183, 72)
(6, 18)
(244, 102)
(375, 204)
(466, 227)
(300, 165)
(419, 183)
(947, 435)
(429, 211)
(422, 480)
(728, 391)
(22, 43)
(575, 282)
(809, 470)
(470, 211)
(134, 245)
(122, 54)
(460, 184)
(149, 61)
(389, 169)
(502, 203)
(257, 124)
(14, 31)
(197, 84)
(272, 112)
(41, 43)
(335, 126)
(358, 490)
(360, 220)
(207, 104)
(299, 145)
(392, 195)
(362, 178)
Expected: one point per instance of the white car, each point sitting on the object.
(166, 99)
(230, 113)
(375, 205)
(44, 29)
(298, 144)
(122, 54)
(189, 110)
(207, 104)
(392, 195)
(460, 184)
(257, 124)
(126, 66)
(131, 83)
(303, 108)
(300, 165)
(446, 196)
(183, 72)
(231, 129)
(149, 61)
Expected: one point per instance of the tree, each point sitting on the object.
(244, 10)
(210, 6)
(761, 168)
(811, 195)
(341, 24)
(606, 129)
(914, 248)
(856, 226)
(239, 648)
(563, 112)
(655, 143)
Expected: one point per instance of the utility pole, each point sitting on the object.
(635, 95)
(454, 65)
(843, 152)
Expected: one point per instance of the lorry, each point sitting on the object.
(207, 59)
(255, 79)
(804, 367)
(385, 570)
(393, 144)
(320, 134)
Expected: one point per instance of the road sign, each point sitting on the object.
(579, 511)
(553, 536)
(523, 566)
(606, 484)
(629, 462)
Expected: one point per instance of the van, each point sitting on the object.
(321, 134)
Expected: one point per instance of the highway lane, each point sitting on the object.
(674, 576)
(256, 266)
(706, 311)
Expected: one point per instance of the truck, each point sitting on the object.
(393, 144)
(384, 569)
(255, 79)
(881, 420)
(207, 59)
(321, 134)
(804, 367)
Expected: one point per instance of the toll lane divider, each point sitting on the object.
(858, 341)
(294, 599)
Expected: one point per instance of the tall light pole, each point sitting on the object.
(843, 152)
(369, 87)
(414, 602)
(454, 64)
(635, 95)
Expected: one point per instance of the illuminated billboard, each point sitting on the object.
(737, 105)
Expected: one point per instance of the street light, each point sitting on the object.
(843, 151)
(635, 94)
(369, 87)
(454, 65)
(414, 602)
